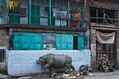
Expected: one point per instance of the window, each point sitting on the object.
(44, 12)
(76, 14)
(2, 12)
(59, 12)
(18, 11)
(105, 16)
(39, 12)
(49, 41)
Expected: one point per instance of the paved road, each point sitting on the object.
(96, 75)
(109, 75)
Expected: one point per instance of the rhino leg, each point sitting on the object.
(47, 67)
(68, 68)
(52, 71)
(72, 67)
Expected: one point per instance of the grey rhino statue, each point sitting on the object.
(52, 61)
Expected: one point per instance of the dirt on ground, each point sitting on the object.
(94, 75)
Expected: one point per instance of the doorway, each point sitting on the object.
(75, 42)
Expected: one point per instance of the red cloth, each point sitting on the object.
(22, 11)
(74, 23)
(73, 11)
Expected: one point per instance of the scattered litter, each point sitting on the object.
(72, 75)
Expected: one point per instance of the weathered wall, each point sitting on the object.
(4, 38)
(101, 4)
(93, 48)
(93, 44)
(117, 58)
(87, 14)
(3, 64)
(24, 62)
(117, 49)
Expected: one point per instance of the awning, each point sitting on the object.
(105, 38)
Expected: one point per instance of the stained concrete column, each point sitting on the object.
(4, 38)
(93, 48)
(117, 56)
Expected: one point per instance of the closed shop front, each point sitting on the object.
(45, 41)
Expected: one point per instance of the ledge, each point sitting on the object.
(41, 27)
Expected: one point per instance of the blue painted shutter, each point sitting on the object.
(80, 43)
(27, 41)
(64, 42)
(58, 41)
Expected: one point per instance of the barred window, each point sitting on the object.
(49, 41)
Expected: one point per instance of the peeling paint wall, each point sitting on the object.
(3, 64)
(24, 62)
(93, 48)
(101, 4)
(117, 50)
(4, 38)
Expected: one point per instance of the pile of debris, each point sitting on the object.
(103, 63)
(72, 75)
(83, 71)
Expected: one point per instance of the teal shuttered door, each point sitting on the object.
(64, 42)
(27, 41)
(80, 43)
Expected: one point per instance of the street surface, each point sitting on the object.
(95, 75)
(109, 75)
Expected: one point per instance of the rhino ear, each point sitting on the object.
(40, 57)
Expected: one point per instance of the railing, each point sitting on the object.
(102, 20)
(39, 20)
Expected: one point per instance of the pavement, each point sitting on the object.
(94, 75)
(102, 75)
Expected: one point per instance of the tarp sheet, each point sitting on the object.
(105, 38)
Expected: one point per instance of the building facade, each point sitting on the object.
(49, 26)
(104, 22)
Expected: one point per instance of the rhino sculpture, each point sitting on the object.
(53, 61)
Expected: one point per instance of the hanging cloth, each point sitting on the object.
(77, 16)
(11, 5)
(105, 38)
(16, 3)
(22, 11)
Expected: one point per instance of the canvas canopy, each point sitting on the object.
(105, 38)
